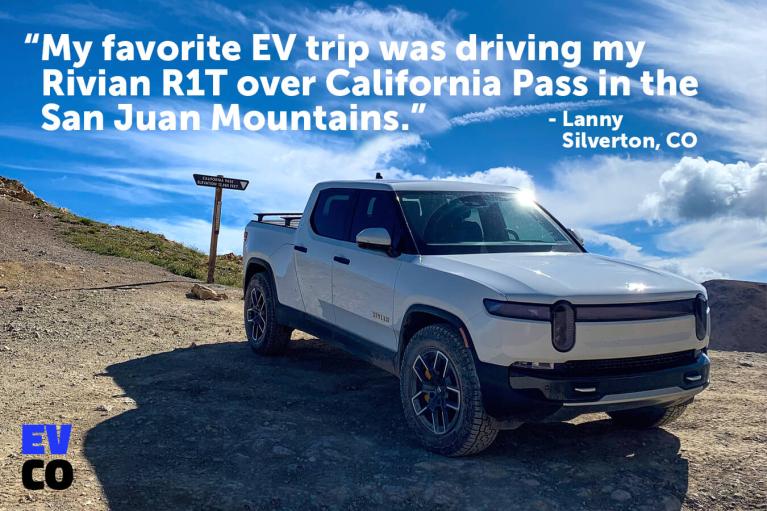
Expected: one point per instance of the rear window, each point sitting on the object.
(332, 214)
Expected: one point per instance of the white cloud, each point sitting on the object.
(360, 21)
(683, 265)
(504, 176)
(618, 246)
(722, 44)
(737, 247)
(700, 250)
(602, 190)
(282, 168)
(696, 188)
(515, 111)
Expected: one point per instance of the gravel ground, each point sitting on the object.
(170, 409)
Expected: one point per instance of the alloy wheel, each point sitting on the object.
(256, 314)
(436, 394)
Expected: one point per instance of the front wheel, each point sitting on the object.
(265, 335)
(441, 396)
(648, 417)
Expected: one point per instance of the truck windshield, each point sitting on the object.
(478, 222)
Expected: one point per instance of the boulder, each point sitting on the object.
(205, 293)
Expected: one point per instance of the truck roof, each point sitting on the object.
(418, 185)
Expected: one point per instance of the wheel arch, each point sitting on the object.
(257, 265)
(419, 316)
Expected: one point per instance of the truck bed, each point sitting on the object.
(270, 237)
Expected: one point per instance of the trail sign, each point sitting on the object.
(219, 183)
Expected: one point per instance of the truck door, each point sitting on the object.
(327, 231)
(363, 279)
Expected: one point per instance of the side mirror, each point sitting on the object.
(376, 238)
(575, 235)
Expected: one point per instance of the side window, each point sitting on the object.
(333, 213)
(377, 208)
(374, 209)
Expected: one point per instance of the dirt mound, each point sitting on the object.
(738, 319)
(15, 190)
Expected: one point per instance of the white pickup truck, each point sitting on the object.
(488, 309)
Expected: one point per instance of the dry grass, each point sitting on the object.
(116, 240)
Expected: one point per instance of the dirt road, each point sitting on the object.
(170, 409)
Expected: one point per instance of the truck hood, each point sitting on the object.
(576, 277)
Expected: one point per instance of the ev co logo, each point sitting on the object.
(58, 474)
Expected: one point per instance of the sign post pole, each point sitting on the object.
(219, 182)
(214, 229)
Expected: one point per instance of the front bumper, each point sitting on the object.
(534, 396)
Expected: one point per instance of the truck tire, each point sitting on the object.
(265, 335)
(648, 417)
(441, 396)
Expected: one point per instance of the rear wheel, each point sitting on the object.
(441, 396)
(265, 335)
(648, 417)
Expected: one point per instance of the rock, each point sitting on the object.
(103, 408)
(205, 293)
(620, 495)
(5, 348)
(13, 189)
(20, 308)
(745, 363)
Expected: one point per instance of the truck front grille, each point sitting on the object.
(613, 366)
(625, 365)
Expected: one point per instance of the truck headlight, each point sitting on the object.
(562, 326)
(561, 315)
(532, 311)
(701, 316)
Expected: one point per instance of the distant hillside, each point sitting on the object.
(738, 315)
(130, 243)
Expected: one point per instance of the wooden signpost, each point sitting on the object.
(219, 183)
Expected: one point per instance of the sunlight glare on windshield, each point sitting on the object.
(526, 197)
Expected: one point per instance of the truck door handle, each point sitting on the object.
(341, 260)
(300, 248)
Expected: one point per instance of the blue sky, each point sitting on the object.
(700, 212)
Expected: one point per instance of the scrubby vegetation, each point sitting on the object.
(116, 240)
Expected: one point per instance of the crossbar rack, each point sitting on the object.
(287, 219)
